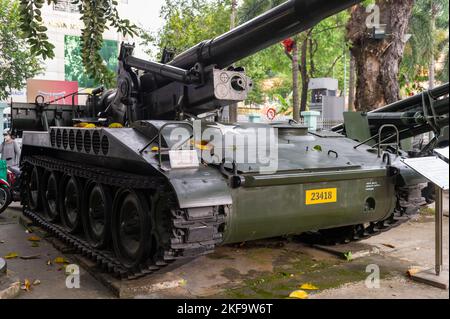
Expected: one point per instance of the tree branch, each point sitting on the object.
(334, 64)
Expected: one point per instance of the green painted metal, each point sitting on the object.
(264, 212)
(357, 126)
(316, 177)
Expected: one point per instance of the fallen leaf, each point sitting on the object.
(11, 256)
(183, 282)
(317, 148)
(412, 271)
(30, 257)
(299, 294)
(348, 256)
(308, 286)
(34, 239)
(26, 285)
(389, 246)
(36, 282)
(61, 260)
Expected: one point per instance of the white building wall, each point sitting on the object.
(60, 24)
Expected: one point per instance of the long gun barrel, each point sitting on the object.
(200, 80)
(422, 113)
(400, 110)
(275, 25)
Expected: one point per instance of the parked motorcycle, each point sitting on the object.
(9, 188)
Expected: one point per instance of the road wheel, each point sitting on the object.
(71, 205)
(50, 196)
(97, 216)
(131, 228)
(33, 188)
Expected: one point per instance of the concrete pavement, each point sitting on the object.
(35, 267)
(262, 269)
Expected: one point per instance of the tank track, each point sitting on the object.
(192, 233)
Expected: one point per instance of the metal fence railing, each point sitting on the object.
(326, 124)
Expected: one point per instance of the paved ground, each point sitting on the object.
(413, 245)
(262, 269)
(14, 239)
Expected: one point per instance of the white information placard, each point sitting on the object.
(184, 159)
(442, 153)
(432, 168)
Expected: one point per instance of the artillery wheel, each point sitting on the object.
(51, 195)
(71, 204)
(96, 215)
(130, 227)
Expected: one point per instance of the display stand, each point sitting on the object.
(436, 170)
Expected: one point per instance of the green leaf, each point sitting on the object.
(348, 256)
(317, 148)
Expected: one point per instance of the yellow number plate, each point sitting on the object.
(321, 196)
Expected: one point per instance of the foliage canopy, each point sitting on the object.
(17, 63)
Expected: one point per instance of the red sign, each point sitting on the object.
(52, 90)
(271, 114)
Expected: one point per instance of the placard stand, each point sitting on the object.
(438, 277)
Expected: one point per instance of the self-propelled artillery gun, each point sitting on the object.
(143, 175)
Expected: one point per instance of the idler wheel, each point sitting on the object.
(51, 196)
(130, 227)
(33, 188)
(71, 205)
(97, 216)
(161, 232)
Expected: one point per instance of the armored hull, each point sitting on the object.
(98, 190)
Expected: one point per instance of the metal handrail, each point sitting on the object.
(380, 142)
(160, 136)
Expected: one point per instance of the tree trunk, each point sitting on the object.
(295, 82)
(432, 64)
(351, 86)
(304, 74)
(233, 108)
(378, 60)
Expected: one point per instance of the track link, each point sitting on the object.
(193, 232)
